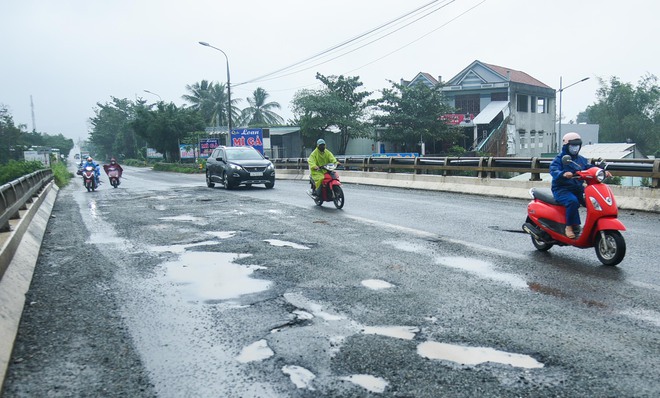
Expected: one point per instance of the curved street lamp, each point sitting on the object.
(160, 99)
(228, 84)
(560, 91)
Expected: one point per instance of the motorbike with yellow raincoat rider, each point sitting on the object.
(318, 158)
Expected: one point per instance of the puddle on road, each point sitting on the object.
(649, 316)
(222, 234)
(315, 309)
(408, 247)
(186, 218)
(376, 284)
(255, 352)
(398, 332)
(474, 355)
(483, 269)
(105, 239)
(93, 209)
(299, 376)
(179, 248)
(283, 243)
(209, 276)
(368, 382)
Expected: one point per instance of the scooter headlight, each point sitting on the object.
(600, 175)
(595, 203)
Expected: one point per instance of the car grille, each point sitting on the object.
(255, 169)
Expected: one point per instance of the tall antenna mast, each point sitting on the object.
(34, 126)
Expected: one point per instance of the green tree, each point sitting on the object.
(411, 114)
(111, 133)
(627, 113)
(165, 126)
(210, 100)
(337, 106)
(10, 137)
(260, 112)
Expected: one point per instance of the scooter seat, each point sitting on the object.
(545, 195)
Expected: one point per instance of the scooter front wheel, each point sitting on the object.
(610, 247)
(338, 198)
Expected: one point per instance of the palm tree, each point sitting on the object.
(259, 112)
(210, 99)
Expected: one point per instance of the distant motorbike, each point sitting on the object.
(546, 219)
(113, 176)
(331, 190)
(89, 178)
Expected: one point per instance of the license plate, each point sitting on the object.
(257, 174)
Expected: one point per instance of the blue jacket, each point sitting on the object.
(557, 170)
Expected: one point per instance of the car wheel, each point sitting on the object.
(225, 181)
(209, 183)
(270, 184)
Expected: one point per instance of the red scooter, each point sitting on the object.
(89, 178)
(330, 187)
(546, 219)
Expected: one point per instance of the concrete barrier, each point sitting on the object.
(20, 250)
(632, 198)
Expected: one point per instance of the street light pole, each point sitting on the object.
(160, 99)
(228, 85)
(561, 90)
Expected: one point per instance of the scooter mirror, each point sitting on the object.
(566, 159)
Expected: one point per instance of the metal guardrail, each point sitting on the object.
(482, 167)
(15, 195)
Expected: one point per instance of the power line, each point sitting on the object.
(380, 58)
(349, 41)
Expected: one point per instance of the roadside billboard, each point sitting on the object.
(206, 146)
(250, 137)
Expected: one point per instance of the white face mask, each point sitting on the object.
(573, 149)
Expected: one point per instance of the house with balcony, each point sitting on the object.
(502, 111)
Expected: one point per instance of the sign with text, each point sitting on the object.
(187, 151)
(206, 146)
(250, 137)
(456, 118)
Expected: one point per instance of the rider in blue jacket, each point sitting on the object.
(97, 168)
(567, 190)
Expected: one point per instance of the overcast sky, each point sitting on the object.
(70, 54)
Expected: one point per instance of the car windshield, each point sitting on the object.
(243, 154)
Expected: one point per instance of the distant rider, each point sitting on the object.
(113, 166)
(319, 157)
(97, 169)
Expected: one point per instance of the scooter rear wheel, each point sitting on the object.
(541, 245)
(610, 247)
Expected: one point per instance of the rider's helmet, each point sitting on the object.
(113, 161)
(320, 141)
(574, 142)
(89, 159)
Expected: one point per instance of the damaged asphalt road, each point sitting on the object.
(164, 287)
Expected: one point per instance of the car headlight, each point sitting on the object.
(270, 167)
(600, 175)
(234, 166)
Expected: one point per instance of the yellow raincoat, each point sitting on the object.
(318, 159)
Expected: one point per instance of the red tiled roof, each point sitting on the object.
(517, 76)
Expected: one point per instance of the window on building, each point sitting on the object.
(533, 103)
(522, 103)
(467, 104)
(541, 105)
(499, 96)
(523, 143)
(539, 134)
